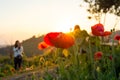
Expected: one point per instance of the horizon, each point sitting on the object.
(23, 19)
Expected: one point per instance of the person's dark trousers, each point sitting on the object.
(17, 63)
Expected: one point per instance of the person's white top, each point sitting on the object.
(18, 51)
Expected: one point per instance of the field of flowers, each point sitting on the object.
(76, 55)
(81, 56)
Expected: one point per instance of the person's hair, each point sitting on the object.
(16, 45)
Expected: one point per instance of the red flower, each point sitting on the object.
(59, 39)
(97, 29)
(98, 55)
(110, 57)
(51, 37)
(106, 33)
(42, 45)
(117, 37)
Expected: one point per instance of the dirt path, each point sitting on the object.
(36, 74)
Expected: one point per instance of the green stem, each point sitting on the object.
(76, 58)
(96, 44)
(92, 61)
(113, 53)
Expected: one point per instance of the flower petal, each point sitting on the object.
(50, 37)
(64, 41)
(42, 45)
(117, 37)
(97, 30)
(59, 39)
(106, 33)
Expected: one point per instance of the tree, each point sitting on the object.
(99, 7)
(104, 6)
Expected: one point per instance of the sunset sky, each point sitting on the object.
(21, 19)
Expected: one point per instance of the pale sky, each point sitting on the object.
(21, 19)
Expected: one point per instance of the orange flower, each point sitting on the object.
(117, 37)
(98, 55)
(97, 29)
(42, 45)
(59, 40)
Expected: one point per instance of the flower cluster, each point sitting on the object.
(100, 59)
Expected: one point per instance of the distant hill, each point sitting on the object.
(2, 46)
(30, 47)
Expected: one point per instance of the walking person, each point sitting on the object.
(18, 53)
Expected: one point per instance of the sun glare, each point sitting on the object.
(65, 26)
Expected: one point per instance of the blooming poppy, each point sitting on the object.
(106, 33)
(98, 55)
(117, 37)
(97, 29)
(59, 40)
(51, 36)
(42, 45)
